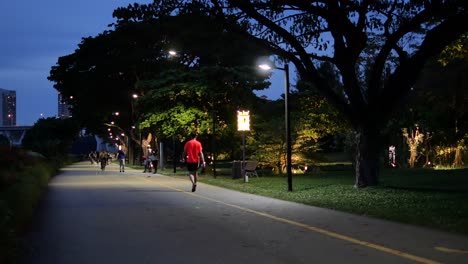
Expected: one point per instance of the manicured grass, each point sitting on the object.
(430, 198)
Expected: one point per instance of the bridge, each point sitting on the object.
(14, 134)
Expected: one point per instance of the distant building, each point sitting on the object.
(63, 108)
(7, 107)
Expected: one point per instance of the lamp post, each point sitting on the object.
(133, 130)
(286, 117)
(243, 124)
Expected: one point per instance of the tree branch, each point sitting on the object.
(407, 73)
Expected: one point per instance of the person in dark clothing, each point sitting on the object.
(154, 161)
(121, 158)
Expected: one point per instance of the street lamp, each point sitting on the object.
(10, 116)
(267, 67)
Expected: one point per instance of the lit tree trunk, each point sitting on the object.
(413, 156)
(458, 160)
(367, 157)
(413, 140)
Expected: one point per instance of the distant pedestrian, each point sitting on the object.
(193, 154)
(121, 158)
(103, 159)
(147, 163)
(91, 157)
(154, 161)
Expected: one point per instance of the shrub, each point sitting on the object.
(22, 183)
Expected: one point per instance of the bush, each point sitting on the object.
(22, 184)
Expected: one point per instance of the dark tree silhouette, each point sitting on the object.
(378, 48)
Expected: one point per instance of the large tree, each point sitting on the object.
(98, 79)
(203, 83)
(101, 76)
(378, 48)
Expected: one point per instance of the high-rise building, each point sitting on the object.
(7, 107)
(63, 108)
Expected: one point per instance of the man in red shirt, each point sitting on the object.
(192, 155)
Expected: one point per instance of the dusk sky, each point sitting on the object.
(34, 34)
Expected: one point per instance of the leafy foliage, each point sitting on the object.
(378, 49)
(317, 120)
(456, 51)
(133, 59)
(23, 180)
(52, 137)
(266, 141)
(438, 105)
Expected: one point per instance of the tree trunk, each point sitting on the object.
(367, 157)
(458, 160)
(413, 156)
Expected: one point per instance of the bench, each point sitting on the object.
(250, 168)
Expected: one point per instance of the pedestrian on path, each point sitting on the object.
(193, 154)
(103, 159)
(147, 163)
(121, 158)
(154, 161)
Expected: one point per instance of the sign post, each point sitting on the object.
(243, 124)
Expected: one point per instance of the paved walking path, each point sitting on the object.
(89, 216)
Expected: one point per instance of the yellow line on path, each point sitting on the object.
(449, 250)
(315, 229)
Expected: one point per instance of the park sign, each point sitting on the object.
(243, 120)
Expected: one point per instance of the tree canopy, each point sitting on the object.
(132, 59)
(377, 47)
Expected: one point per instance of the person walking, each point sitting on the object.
(154, 161)
(151, 162)
(103, 159)
(91, 157)
(193, 154)
(121, 158)
(148, 163)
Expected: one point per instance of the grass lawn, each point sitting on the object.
(431, 198)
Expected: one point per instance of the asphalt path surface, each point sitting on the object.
(90, 216)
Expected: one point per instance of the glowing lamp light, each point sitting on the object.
(243, 120)
(264, 67)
